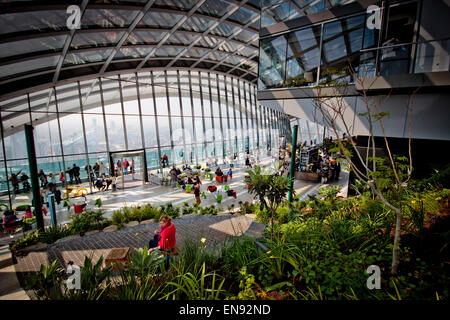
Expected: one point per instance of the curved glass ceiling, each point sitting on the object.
(38, 50)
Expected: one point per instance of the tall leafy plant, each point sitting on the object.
(269, 187)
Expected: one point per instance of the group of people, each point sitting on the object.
(124, 166)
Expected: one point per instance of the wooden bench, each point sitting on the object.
(118, 257)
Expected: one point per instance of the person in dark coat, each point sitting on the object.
(76, 173)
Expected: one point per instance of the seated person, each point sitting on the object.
(164, 239)
(9, 221)
(219, 172)
(28, 213)
(197, 180)
(181, 183)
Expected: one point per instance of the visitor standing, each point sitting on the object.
(25, 183)
(119, 166)
(165, 160)
(97, 170)
(230, 173)
(102, 169)
(62, 178)
(126, 164)
(197, 194)
(51, 178)
(70, 173)
(173, 176)
(76, 173)
(43, 178)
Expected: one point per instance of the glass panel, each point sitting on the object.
(105, 18)
(433, 57)
(143, 37)
(182, 38)
(46, 134)
(242, 16)
(132, 53)
(215, 8)
(272, 58)
(90, 93)
(303, 56)
(72, 133)
(341, 41)
(133, 132)
(97, 39)
(149, 131)
(184, 5)
(196, 24)
(116, 136)
(86, 57)
(174, 101)
(159, 20)
(47, 44)
(95, 131)
(28, 66)
(278, 13)
(224, 30)
(168, 52)
(35, 20)
(164, 132)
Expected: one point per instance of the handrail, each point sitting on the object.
(401, 45)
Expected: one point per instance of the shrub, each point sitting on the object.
(87, 221)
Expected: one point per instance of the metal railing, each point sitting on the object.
(405, 58)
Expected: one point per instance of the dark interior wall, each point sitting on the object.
(427, 155)
(435, 22)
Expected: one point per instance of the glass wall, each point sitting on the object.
(315, 54)
(274, 11)
(190, 116)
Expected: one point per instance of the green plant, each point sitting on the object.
(94, 281)
(52, 234)
(87, 221)
(269, 187)
(196, 286)
(47, 283)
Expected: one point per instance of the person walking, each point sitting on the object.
(15, 181)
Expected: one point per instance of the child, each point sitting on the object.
(230, 173)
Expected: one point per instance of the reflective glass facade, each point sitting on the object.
(346, 48)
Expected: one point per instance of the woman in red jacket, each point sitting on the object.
(164, 239)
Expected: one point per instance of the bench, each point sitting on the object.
(118, 258)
